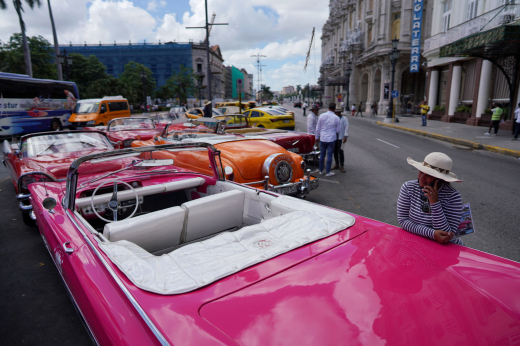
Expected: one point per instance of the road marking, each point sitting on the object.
(329, 181)
(1, 180)
(388, 143)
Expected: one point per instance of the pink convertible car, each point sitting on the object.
(153, 255)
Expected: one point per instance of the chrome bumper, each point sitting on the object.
(25, 204)
(313, 155)
(303, 187)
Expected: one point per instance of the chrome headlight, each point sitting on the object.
(28, 179)
(303, 164)
(127, 143)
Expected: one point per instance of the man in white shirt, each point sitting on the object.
(327, 131)
(339, 156)
(517, 122)
(312, 120)
(304, 106)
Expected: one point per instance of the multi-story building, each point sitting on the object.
(231, 74)
(161, 58)
(288, 90)
(360, 31)
(472, 59)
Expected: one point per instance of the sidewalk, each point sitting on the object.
(461, 134)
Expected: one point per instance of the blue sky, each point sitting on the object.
(279, 30)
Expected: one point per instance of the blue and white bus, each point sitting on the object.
(34, 105)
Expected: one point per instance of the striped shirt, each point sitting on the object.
(445, 214)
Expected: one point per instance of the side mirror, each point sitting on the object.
(103, 109)
(49, 203)
(228, 171)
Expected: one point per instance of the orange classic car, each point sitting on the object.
(256, 162)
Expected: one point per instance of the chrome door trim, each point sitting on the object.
(127, 293)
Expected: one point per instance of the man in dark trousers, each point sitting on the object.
(359, 111)
(208, 112)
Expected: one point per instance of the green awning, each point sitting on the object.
(500, 41)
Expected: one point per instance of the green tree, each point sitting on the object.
(164, 93)
(25, 45)
(110, 86)
(131, 77)
(182, 84)
(266, 92)
(12, 57)
(86, 70)
(298, 89)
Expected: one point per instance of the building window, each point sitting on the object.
(446, 15)
(472, 9)
(396, 25)
(199, 68)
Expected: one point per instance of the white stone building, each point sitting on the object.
(484, 32)
(361, 31)
(199, 63)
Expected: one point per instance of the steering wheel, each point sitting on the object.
(113, 203)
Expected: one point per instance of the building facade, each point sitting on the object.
(360, 31)
(200, 67)
(288, 90)
(472, 59)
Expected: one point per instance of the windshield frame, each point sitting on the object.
(71, 187)
(112, 122)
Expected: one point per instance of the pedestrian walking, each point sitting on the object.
(327, 131)
(360, 111)
(353, 109)
(207, 111)
(312, 120)
(409, 108)
(373, 109)
(131, 109)
(424, 111)
(339, 148)
(516, 123)
(495, 119)
(429, 206)
(304, 106)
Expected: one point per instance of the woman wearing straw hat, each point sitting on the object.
(207, 111)
(430, 206)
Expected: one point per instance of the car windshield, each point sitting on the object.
(273, 111)
(63, 143)
(124, 124)
(86, 107)
(165, 118)
(217, 113)
(178, 109)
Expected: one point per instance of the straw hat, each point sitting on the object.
(207, 103)
(338, 109)
(437, 165)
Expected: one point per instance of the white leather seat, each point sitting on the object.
(213, 214)
(160, 230)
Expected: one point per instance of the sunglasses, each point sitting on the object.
(425, 207)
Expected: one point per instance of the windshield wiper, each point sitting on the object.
(47, 148)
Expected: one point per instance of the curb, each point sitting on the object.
(471, 144)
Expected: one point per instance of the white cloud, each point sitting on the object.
(280, 30)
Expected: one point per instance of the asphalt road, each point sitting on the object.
(34, 303)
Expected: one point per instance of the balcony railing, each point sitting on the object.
(502, 15)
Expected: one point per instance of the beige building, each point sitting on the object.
(361, 31)
(472, 59)
(199, 63)
(288, 90)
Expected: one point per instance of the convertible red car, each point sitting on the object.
(123, 131)
(46, 157)
(154, 255)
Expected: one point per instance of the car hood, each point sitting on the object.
(58, 164)
(303, 142)
(377, 289)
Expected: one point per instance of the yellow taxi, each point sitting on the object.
(195, 113)
(270, 118)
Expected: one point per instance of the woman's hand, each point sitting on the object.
(442, 237)
(432, 192)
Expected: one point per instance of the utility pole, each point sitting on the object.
(208, 29)
(259, 67)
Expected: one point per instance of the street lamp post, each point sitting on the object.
(348, 72)
(394, 56)
(66, 62)
(142, 74)
(200, 77)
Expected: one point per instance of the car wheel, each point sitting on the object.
(261, 126)
(27, 220)
(56, 125)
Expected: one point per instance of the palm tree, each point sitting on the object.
(19, 9)
(56, 46)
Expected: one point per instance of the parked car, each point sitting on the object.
(177, 111)
(127, 130)
(200, 260)
(92, 112)
(195, 113)
(270, 118)
(46, 156)
(230, 110)
(298, 104)
(250, 161)
(162, 119)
